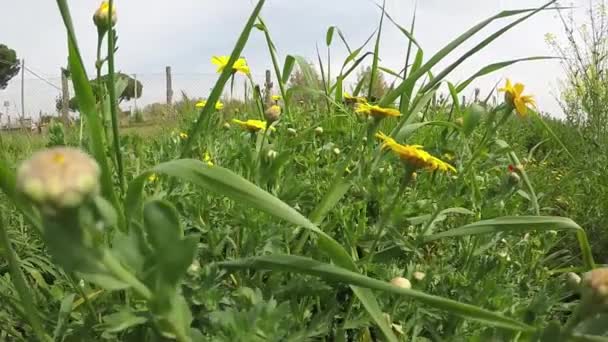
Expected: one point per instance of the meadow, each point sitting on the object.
(315, 213)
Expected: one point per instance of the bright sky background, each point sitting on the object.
(186, 33)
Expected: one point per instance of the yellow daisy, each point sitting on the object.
(183, 135)
(276, 98)
(353, 99)
(376, 111)
(207, 158)
(252, 125)
(414, 155)
(514, 96)
(239, 66)
(218, 105)
(152, 178)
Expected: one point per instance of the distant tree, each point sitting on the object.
(127, 94)
(9, 65)
(305, 80)
(380, 86)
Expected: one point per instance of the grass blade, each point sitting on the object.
(374, 71)
(291, 263)
(226, 74)
(522, 224)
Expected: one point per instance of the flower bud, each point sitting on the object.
(292, 131)
(272, 154)
(419, 276)
(514, 178)
(100, 18)
(273, 113)
(459, 121)
(336, 151)
(594, 289)
(57, 178)
(226, 125)
(573, 281)
(319, 130)
(401, 282)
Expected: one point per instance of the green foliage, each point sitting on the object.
(297, 233)
(9, 65)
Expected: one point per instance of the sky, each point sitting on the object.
(186, 33)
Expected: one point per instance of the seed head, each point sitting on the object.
(401, 282)
(594, 286)
(273, 113)
(60, 177)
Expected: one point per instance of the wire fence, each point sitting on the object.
(41, 94)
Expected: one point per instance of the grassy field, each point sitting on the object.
(313, 215)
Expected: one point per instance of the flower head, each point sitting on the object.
(350, 100)
(514, 97)
(414, 155)
(401, 282)
(152, 178)
(239, 66)
(207, 158)
(60, 177)
(252, 125)
(183, 135)
(218, 105)
(100, 18)
(376, 111)
(273, 113)
(276, 98)
(594, 288)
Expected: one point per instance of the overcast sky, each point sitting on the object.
(186, 33)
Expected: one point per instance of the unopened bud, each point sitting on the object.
(419, 276)
(101, 16)
(401, 282)
(514, 178)
(60, 177)
(273, 113)
(573, 280)
(226, 125)
(292, 131)
(336, 151)
(272, 154)
(459, 121)
(319, 130)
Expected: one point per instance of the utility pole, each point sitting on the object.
(268, 89)
(65, 98)
(22, 89)
(169, 86)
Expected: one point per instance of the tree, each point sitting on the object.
(380, 85)
(584, 57)
(306, 81)
(127, 94)
(9, 65)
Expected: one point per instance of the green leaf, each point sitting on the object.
(329, 36)
(407, 130)
(471, 118)
(64, 312)
(522, 224)
(226, 74)
(374, 71)
(290, 62)
(490, 68)
(87, 107)
(292, 263)
(122, 320)
(225, 182)
(105, 281)
(441, 54)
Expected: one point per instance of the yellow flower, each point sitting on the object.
(152, 178)
(252, 125)
(218, 105)
(376, 111)
(207, 158)
(240, 65)
(183, 135)
(100, 18)
(276, 97)
(414, 155)
(514, 96)
(353, 99)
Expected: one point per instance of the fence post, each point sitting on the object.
(169, 86)
(22, 89)
(268, 89)
(65, 98)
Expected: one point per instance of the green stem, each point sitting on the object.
(113, 104)
(117, 270)
(277, 70)
(83, 295)
(387, 215)
(21, 286)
